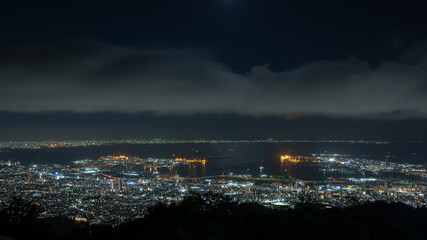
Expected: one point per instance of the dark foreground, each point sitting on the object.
(216, 217)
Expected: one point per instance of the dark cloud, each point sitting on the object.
(97, 77)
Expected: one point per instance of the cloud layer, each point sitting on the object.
(96, 77)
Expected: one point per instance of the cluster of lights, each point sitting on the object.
(288, 158)
(202, 161)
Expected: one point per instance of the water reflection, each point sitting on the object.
(243, 159)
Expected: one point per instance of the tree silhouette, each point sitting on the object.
(213, 216)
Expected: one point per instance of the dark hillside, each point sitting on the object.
(215, 217)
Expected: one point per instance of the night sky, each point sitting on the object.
(239, 69)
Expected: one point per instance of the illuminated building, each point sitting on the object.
(287, 158)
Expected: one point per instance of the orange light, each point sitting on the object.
(203, 161)
(288, 158)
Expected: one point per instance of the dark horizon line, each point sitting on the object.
(183, 140)
(380, 116)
